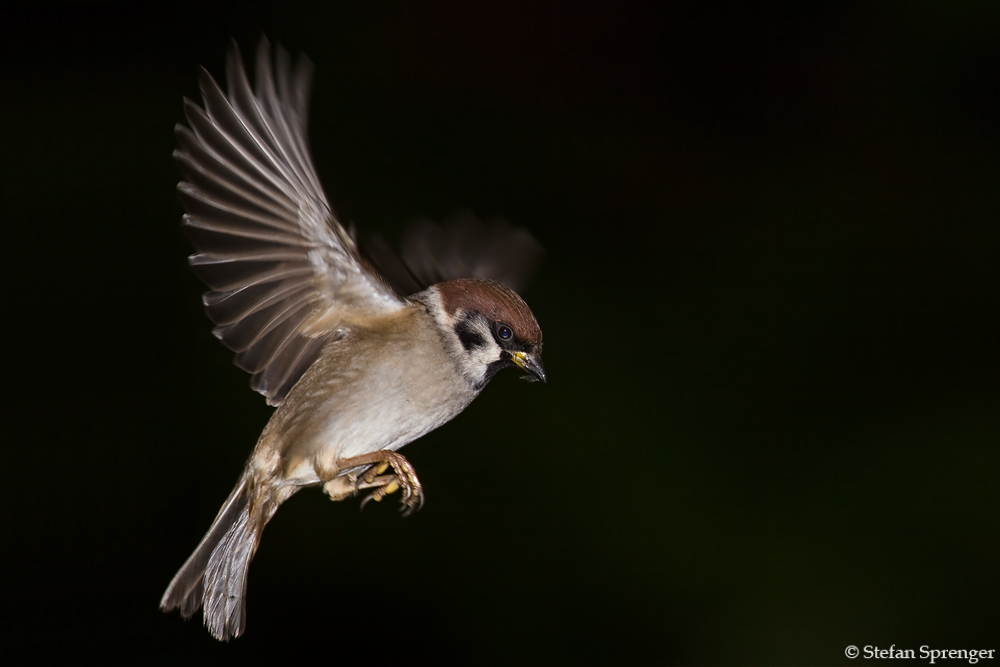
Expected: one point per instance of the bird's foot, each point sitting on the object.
(403, 477)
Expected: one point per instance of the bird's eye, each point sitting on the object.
(504, 332)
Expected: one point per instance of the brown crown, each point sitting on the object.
(493, 300)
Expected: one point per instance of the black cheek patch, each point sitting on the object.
(469, 336)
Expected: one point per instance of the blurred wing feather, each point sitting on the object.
(466, 247)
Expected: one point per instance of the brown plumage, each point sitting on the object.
(355, 369)
(495, 302)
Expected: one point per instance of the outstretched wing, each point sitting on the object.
(283, 271)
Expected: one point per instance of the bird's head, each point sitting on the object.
(487, 327)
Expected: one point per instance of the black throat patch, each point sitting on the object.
(503, 362)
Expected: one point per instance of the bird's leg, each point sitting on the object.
(339, 487)
(403, 477)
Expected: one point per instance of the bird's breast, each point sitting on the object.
(377, 388)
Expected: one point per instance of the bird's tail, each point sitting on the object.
(216, 573)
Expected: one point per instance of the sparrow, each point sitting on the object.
(355, 369)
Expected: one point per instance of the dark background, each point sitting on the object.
(769, 299)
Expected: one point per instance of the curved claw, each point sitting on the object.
(404, 477)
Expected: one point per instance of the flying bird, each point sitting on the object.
(356, 366)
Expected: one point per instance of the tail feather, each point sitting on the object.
(216, 573)
(226, 579)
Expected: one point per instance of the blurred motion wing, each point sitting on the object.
(463, 247)
(282, 270)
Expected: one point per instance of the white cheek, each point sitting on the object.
(477, 359)
(484, 356)
(472, 363)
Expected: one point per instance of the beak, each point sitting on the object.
(531, 364)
